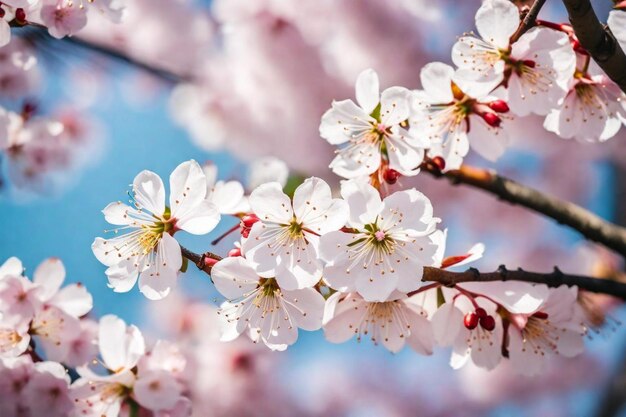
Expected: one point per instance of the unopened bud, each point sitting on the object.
(499, 106)
(470, 321)
(2, 12)
(488, 323)
(248, 220)
(439, 162)
(20, 16)
(234, 252)
(480, 312)
(492, 119)
(391, 176)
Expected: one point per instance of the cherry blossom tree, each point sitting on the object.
(352, 246)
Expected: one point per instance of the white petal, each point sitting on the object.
(149, 192)
(118, 214)
(617, 23)
(305, 307)
(123, 276)
(342, 318)
(421, 339)
(394, 106)
(271, 204)
(436, 80)
(488, 141)
(416, 209)
(156, 283)
(496, 21)
(229, 197)
(12, 266)
(364, 202)
(234, 276)
(316, 209)
(367, 90)
(188, 188)
(168, 253)
(199, 220)
(74, 299)
(49, 275)
(120, 346)
(447, 322)
(516, 297)
(341, 121)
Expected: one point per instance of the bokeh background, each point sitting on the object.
(234, 80)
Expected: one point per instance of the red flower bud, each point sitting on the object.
(492, 119)
(541, 315)
(499, 106)
(480, 312)
(470, 321)
(2, 12)
(248, 220)
(391, 176)
(439, 162)
(20, 16)
(488, 323)
(234, 252)
(245, 232)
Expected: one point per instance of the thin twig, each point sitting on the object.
(564, 212)
(529, 20)
(449, 278)
(598, 40)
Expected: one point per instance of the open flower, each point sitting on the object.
(284, 242)
(387, 246)
(555, 328)
(371, 131)
(593, 109)
(448, 117)
(534, 70)
(261, 307)
(121, 347)
(149, 251)
(391, 323)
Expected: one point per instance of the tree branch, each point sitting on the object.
(564, 212)
(598, 40)
(552, 279)
(449, 278)
(529, 20)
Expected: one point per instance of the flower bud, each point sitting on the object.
(541, 315)
(488, 323)
(2, 12)
(20, 16)
(439, 162)
(480, 312)
(248, 220)
(391, 176)
(234, 252)
(470, 321)
(492, 119)
(499, 106)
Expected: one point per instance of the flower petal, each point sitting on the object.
(496, 21)
(188, 187)
(149, 192)
(234, 277)
(367, 90)
(49, 275)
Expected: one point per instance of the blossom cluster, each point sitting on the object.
(352, 266)
(60, 17)
(498, 76)
(41, 319)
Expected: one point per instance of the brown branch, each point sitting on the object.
(553, 279)
(598, 40)
(449, 278)
(529, 20)
(564, 212)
